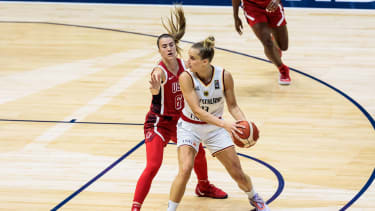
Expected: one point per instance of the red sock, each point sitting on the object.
(200, 165)
(154, 150)
(281, 66)
(136, 206)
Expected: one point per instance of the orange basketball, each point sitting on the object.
(249, 135)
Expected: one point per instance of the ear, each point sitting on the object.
(205, 61)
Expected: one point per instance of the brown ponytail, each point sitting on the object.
(175, 27)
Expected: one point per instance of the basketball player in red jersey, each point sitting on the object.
(267, 19)
(166, 106)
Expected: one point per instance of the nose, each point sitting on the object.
(188, 63)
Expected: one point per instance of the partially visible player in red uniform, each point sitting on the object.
(267, 20)
(166, 106)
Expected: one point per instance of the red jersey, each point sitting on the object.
(169, 101)
(166, 107)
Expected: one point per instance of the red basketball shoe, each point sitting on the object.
(205, 189)
(284, 75)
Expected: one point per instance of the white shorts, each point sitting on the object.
(213, 137)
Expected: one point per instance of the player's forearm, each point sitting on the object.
(235, 5)
(237, 113)
(209, 118)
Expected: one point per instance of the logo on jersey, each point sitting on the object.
(175, 87)
(217, 84)
(210, 101)
(205, 93)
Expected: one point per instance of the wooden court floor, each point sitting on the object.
(74, 93)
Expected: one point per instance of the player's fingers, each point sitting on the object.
(237, 125)
(268, 8)
(158, 78)
(238, 29)
(235, 135)
(237, 130)
(153, 79)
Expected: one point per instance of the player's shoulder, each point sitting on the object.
(222, 70)
(185, 74)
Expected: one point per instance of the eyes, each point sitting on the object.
(171, 44)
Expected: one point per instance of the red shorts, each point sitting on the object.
(162, 126)
(256, 14)
(165, 135)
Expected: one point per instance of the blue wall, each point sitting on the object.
(353, 4)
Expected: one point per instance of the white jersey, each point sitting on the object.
(211, 95)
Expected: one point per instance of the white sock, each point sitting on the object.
(251, 193)
(172, 206)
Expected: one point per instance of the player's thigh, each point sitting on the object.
(188, 134)
(217, 140)
(262, 31)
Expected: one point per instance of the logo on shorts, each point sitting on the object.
(148, 134)
(188, 142)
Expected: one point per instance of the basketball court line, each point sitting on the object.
(368, 116)
(362, 191)
(69, 122)
(274, 170)
(98, 176)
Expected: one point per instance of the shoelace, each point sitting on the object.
(257, 199)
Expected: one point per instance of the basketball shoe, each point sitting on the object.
(284, 75)
(258, 203)
(205, 189)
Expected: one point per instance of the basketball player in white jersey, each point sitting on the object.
(205, 87)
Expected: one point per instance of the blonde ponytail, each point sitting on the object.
(206, 48)
(209, 42)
